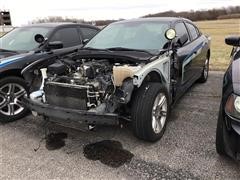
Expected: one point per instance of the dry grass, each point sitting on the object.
(218, 30)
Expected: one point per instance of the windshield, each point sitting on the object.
(139, 35)
(22, 39)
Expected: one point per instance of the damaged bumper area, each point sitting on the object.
(87, 91)
(93, 90)
(81, 116)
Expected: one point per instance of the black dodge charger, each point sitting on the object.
(228, 128)
(24, 45)
(133, 70)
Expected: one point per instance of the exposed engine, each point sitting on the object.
(92, 85)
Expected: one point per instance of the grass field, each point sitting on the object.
(218, 30)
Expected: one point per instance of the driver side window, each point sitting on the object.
(180, 29)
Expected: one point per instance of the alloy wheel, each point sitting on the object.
(159, 113)
(10, 99)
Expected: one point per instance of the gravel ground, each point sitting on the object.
(186, 151)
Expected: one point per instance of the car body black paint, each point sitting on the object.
(192, 55)
(4, 54)
(135, 56)
(12, 62)
(231, 125)
(192, 70)
(236, 76)
(22, 59)
(190, 73)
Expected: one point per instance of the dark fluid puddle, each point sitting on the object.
(108, 152)
(55, 141)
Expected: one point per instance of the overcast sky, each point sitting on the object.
(24, 11)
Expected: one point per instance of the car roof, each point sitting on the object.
(59, 24)
(157, 19)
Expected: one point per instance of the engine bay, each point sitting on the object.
(99, 86)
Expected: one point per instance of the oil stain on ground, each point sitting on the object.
(108, 152)
(55, 141)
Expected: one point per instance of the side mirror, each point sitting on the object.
(182, 40)
(233, 40)
(39, 38)
(85, 41)
(55, 45)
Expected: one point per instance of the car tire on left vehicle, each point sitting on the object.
(12, 89)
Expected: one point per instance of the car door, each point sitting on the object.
(182, 54)
(189, 55)
(70, 38)
(198, 51)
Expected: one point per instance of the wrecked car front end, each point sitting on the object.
(123, 73)
(89, 87)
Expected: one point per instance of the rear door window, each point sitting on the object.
(192, 30)
(68, 36)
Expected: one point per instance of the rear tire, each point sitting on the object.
(150, 111)
(12, 89)
(205, 72)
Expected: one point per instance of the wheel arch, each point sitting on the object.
(208, 53)
(153, 75)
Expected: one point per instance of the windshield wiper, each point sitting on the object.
(128, 49)
(6, 50)
(94, 49)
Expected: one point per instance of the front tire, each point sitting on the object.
(220, 146)
(150, 111)
(12, 89)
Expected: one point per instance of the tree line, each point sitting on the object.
(212, 14)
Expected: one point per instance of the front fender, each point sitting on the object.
(28, 71)
(160, 66)
(14, 62)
